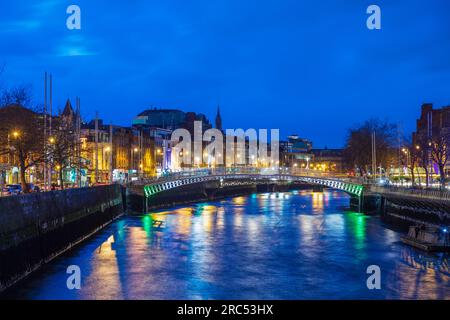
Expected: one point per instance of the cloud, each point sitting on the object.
(72, 46)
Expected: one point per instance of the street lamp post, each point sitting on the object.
(52, 142)
(407, 153)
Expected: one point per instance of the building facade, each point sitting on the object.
(432, 124)
(295, 152)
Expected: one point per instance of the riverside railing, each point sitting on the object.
(421, 193)
(199, 172)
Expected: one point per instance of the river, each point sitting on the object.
(288, 245)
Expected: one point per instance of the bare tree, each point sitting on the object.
(20, 95)
(21, 134)
(440, 153)
(358, 150)
(64, 148)
(411, 159)
(423, 148)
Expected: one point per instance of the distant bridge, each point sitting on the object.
(251, 176)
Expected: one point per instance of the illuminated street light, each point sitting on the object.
(107, 149)
(51, 140)
(15, 134)
(135, 149)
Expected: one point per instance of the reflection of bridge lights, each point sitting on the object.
(239, 200)
(317, 200)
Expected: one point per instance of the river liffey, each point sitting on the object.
(291, 245)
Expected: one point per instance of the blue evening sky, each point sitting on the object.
(306, 67)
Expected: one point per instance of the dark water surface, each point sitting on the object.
(292, 245)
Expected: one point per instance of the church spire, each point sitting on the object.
(218, 119)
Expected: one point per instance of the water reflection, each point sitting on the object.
(291, 245)
(318, 201)
(429, 274)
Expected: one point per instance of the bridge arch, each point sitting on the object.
(162, 185)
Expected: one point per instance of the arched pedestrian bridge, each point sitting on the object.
(251, 176)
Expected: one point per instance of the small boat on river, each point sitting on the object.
(431, 239)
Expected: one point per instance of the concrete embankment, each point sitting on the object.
(35, 228)
(405, 207)
(411, 211)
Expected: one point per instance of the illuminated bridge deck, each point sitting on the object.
(179, 180)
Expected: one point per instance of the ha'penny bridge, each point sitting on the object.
(410, 205)
(225, 177)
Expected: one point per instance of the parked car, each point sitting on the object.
(14, 189)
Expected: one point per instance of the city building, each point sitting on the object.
(432, 124)
(170, 119)
(218, 121)
(295, 152)
(118, 154)
(328, 160)
(160, 123)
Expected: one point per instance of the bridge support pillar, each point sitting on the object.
(356, 203)
(367, 203)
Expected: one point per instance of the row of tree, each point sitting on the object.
(25, 136)
(392, 150)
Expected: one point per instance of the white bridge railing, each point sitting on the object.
(255, 175)
(198, 172)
